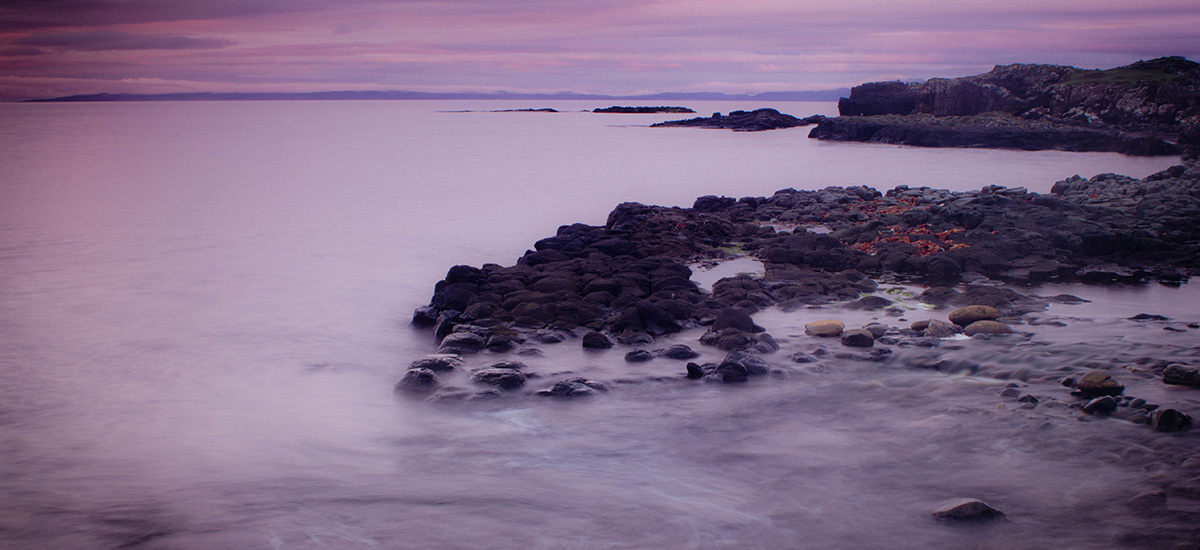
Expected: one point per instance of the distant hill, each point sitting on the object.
(819, 95)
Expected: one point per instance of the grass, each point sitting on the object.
(1122, 75)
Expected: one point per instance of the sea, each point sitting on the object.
(204, 307)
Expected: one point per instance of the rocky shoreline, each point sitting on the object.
(1147, 108)
(931, 282)
(758, 120)
(628, 282)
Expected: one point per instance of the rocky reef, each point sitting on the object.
(1149, 100)
(744, 121)
(642, 110)
(629, 280)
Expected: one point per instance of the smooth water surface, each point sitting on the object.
(204, 306)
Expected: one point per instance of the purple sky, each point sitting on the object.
(62, 47)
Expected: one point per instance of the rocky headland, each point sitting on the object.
(757, 120)
(1147, 108)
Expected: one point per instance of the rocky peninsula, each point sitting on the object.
(1146, 108)
(642, 110)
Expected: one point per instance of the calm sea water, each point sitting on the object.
(203, 307)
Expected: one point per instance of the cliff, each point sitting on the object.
(1160, 96)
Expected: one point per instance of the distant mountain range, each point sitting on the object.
(819, 95)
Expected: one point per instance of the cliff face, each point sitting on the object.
(1161, 95)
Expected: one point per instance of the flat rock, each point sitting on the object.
(966, 315)
(824, 329)
(1098, 383)
(967, 509)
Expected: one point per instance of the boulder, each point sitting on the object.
(732, 318)
(438, 363)
(1182, 375)
(970, 314)
(1097, 383)
(940, 329)
(596, 340)
(419, 380)
(987, 327)
(1170, 420)
(678, 351)
(461, 343)
(858, 338)
(824, 329)
(506, 379)
(638, 356)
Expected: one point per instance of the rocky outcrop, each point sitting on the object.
(627, 281)
(1160, 97)
(744, 121)
(642, 110)
(995, 130)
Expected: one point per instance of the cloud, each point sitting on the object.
(99, 41)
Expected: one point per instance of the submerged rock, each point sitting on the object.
(419, 380)
(967, 509)
(858, 338)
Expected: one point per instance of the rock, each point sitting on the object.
(742, 121)
(802, 357)
(638, 356)
(1182, 375)
(511, 365)
(869, 302)
(1097, 383)
(970, 314)
(764, 343)
(506, 379)
(987, 327)
(596, 340)
(858, 338)
(1100, 405)
(940, 329)
(438, 363)
(825, 329)
(732, 318)
(876, 329)
(694, 371)
(752, 364)
(678, 351)
(1170, 420)
(967, 509)
(1148, 317)
(420, 380)
(461, 343)
(574, 388)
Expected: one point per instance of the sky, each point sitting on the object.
(51, 48)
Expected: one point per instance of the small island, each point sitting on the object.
(757, 120)
(642, 110)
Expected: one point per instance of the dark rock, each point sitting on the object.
(418, 380)
(1100, 405)
(694, 371)
(940, 329)
(732, 318)
(596, 340)
(1148, 317)
(461, 343)
(574, 388)
(968, 509)
(752, 364)
(678, 351)
(858, 338)
(638, 356)
(802, 357)
(1170, 420)
(1181, 375)
(438, 363)
(425, 316)
(506, 379)
(742, 121)
(510, 365)
(869, 302)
